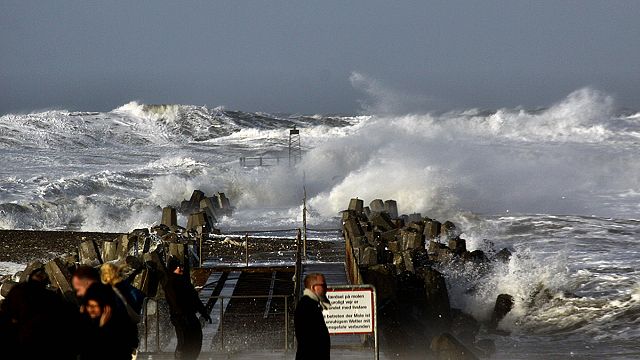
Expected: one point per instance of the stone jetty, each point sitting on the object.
(142, 252)
(402, 256)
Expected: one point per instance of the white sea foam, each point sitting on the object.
(10, 268)
(114, 171)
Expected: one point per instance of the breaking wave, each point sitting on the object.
(486, 170)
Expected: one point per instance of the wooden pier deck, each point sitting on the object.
(252, 312)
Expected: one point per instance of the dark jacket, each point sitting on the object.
(182, 297)
(115, 340)
(134, 297)
(34, 322)
(311, 331)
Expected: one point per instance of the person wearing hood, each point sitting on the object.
(184, 303)
(312, 334)
(107, 331)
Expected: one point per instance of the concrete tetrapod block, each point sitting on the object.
(356, 205)
(169, 216)
(109, 251)
(408, 261)
(60, 277)
(449, 230)
(395, 246)
(457, 245)
(432, 229)
(411, 239)
(438, 309)
(193, 203)
(180, 251)
(376, 205)
(196, 197)
(391, 207)
(415, 217)
(382, 221)
(29, 269)
(89, 253)
(504, 304)
(197, 219)
(223, 201)
(124, 245)
(6, 287)
(207, 206)
(369, 256)
(390, 235)
(398, 261)
(352, 228)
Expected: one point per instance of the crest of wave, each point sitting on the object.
(583, 116)
(536, 161)
(167, 113)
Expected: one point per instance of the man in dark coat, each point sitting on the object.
(311, 331)
(184, 303)
(36, 323)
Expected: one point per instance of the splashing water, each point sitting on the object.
(557, 185)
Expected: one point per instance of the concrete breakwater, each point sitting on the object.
(402, 256)
(142, 253)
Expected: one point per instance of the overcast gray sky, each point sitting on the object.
(314, 56)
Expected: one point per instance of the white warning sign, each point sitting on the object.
(352, 311)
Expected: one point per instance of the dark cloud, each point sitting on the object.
(299, 57)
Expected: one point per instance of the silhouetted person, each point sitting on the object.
(311, 331)
(184, 303)
(83, 278)
(107, 332)
(37, 323)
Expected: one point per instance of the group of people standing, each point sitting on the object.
(93, 323)
(37, 323)
(99, 321)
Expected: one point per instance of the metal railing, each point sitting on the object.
(245, 257)
(261, 161)
(163, 331)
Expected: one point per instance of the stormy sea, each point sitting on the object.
(557, 185)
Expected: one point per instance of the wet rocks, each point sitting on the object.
(504, 304)
(403, 258)
(141, 253)
(169, 217)
(503, 255)
(89, 253)
(215, 206)
(109, 251)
